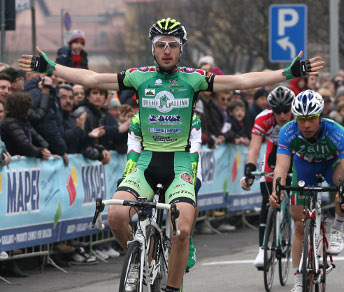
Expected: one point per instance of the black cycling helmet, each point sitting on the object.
(280, 97)
(168, 27)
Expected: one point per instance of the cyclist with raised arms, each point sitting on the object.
(318, 146)
(268, 123)
(168, 92)
(135, 149)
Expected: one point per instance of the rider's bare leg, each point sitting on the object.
(180, 245)
(118, 217)
(296, 213)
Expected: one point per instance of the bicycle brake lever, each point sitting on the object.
(341, 190)
(278, 190)
(99, 208)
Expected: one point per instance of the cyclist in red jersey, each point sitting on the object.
(268, 123)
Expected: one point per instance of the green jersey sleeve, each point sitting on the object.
(134, 145)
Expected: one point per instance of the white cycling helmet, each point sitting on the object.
(307, 103)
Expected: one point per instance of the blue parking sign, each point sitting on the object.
(288, 32)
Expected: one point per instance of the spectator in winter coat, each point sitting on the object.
(74, 55)
(52, 127)
(237, 111)
(74, 134)
(96, 117)
(16, 132)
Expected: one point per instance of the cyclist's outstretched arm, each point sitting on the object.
(83, 77)
(282, 166)
(296, 69)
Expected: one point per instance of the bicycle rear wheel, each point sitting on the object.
(285, 247)
(130, 277)
(270, 249)
(308, 262)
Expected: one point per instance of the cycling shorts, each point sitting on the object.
(307, 172)
(171, 169)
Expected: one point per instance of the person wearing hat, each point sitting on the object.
(113, 107)
(74, 55)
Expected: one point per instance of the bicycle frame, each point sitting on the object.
(280, 213)
(148, 273)
(315, 221)
(314, 213)
(140, 236)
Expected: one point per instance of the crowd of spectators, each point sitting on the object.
(44, 116)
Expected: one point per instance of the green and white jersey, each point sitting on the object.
(166, 104)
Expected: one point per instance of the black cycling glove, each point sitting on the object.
(297, 69)
(42, 64)
(249, 167)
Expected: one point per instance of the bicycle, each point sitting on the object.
(145, 264)
(314, 264)
(277, 241)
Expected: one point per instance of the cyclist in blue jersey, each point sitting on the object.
(318, 146)
(168, 92)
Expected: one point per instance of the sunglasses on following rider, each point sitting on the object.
(284, 110)
(310, 119)
(162, 45)
(278, 111)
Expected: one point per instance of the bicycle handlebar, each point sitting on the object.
(316, 189)
(100, 205)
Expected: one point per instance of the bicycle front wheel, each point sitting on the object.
(270, 249)
(322, 253)
(130, 277)
(158, 266)
(308, 262)
(285, 247)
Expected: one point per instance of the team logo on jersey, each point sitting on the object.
(149, 92)
(172, 81)
(164, 131)
(186, 177)
(165, 119)
(164, 102)
(143, 69)
(192, 70)
(158, 82)
(164, 139)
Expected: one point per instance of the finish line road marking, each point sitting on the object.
(335, 259)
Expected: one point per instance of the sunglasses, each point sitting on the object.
(278, 111)
(225, 99)
(310, 119)
(162, 45)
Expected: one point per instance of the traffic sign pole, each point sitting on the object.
(334, 37)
